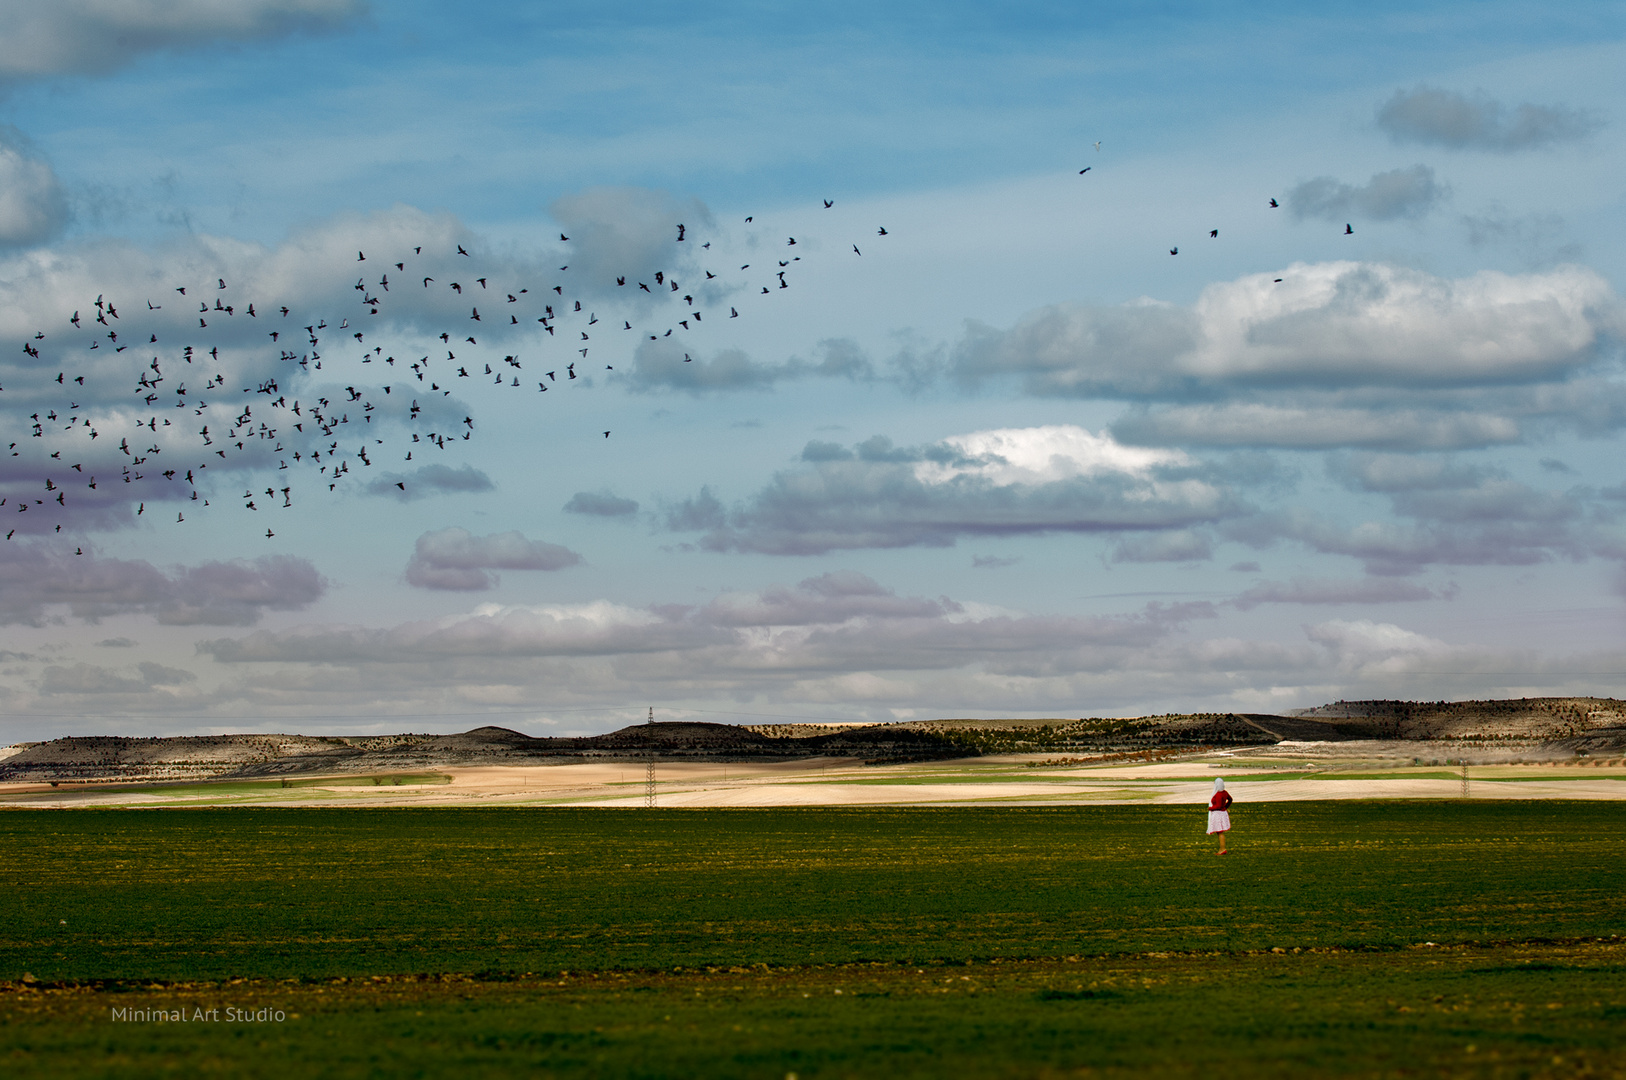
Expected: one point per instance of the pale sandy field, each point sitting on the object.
(1284, 772)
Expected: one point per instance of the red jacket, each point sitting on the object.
(1220, 801)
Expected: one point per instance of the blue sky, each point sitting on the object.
(1016, 458)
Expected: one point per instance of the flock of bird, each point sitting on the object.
(331, 404)
(185, 414)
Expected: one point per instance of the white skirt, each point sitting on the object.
(1219, 821)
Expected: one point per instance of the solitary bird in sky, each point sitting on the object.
(1348, 231)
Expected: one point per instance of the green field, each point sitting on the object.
(822, 942)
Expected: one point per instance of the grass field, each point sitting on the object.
(926, 941)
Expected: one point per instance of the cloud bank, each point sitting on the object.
(36, 578)
(1054, 479)
(1399, 193)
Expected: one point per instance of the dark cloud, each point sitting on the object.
(1322, 426)
(36, 577)
(71, 37)
(1314, 591)
(1399, 193)
(1478, 122)
(663, 365)
(454, 558)
(1493, 501)
(93, 679)
(1499, 523)
(1538, 239)
(1002, 483)
(235, 593)
(600, 504)
(1077, 350)
(430, 480)
(1393, 473)
(993, 562)
(117, 643)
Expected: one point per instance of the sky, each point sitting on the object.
(1129, 359)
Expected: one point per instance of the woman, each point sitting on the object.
(1219, 813)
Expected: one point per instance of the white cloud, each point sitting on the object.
(33, 206)
(1364, 642)
(1362, 323)
(1328, 355)
(1041, 455)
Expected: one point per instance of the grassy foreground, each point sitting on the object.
(822, 942)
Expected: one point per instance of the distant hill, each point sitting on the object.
(1562, 725)
(1545, 719)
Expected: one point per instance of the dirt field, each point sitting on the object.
(1285, 772)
